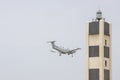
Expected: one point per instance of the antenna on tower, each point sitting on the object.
(98, 15)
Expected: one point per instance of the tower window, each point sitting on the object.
(93, 28)
(106, 74)
(105, 63)
(106, 52)
(105, 42)
(93, 51)
(93, 74)
(106, 28)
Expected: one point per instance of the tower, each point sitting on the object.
(99, 49)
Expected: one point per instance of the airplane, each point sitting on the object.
(62, 50)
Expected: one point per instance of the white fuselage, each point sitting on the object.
(60, 49)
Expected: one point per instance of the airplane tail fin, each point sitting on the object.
(51, 41)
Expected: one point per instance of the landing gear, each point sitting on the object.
(59, 54)
(72, 55)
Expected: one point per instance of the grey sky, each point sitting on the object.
(26, 25)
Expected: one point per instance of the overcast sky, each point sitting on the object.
(26, 25)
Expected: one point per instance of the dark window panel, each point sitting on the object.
(93, 28)
(106, 52)
(106, 28)
(105, 63)
(105, 42)
(106, 74)
(93, 74)
(93, 51)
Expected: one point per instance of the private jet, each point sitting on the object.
(62, 50)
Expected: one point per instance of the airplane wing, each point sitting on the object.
(72, 51)
(75, 49)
